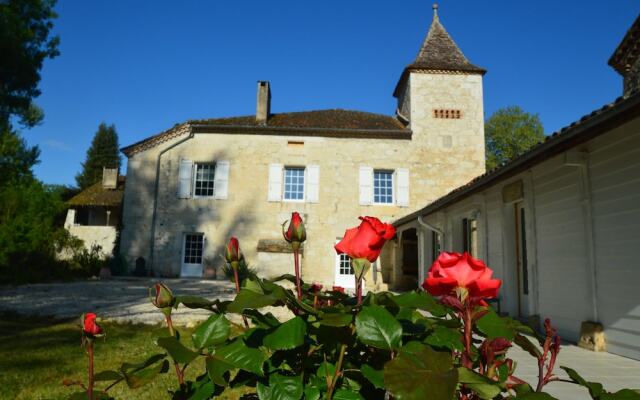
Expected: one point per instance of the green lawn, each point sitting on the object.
(36, 355)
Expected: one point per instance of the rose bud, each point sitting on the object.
(163, 297)
(89, 325)
(296, 232)
(232, 252)
(338, 289)
(316, 287)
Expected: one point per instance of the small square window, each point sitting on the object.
(293, 183)
(382, 187)
(345, 267)
(204, 179)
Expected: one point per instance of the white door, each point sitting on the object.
(345, 276)
(192, 255)
(522, 271)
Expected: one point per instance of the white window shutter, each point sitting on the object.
(275, 182)
(402, 187)
(313, 183)
(184, 179)
(366, 186)
(221, 180)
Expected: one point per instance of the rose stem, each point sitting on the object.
(90, 351)
(466, 359)
(175, 363)
(235, 274)
(296, 254)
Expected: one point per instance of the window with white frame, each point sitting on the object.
(204, 180)
(344, 267)
(193, 246)
(382, 187)
(293, 183)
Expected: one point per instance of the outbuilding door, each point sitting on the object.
(192, 250)
(345, 276)
(522, 267)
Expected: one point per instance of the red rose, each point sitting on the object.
(366, 240)
(89, 325)
(338, 289)
(452, 271)
(296, 232)
(232, 251)
(316, 287)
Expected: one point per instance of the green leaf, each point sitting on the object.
(204, 392)
(311, 393)
(527, 345)
(345, 394)
(325, 369)
(264, 391)
(420, 300)
(141, 377)
(336, 319)
(285, 387)
(483, 386)
(107, 376)
(624, 394)
(445, 337)
(267, 320)
(176, 350)
(495, 326)
(287, 336)
(215, 330)
(376, 327)
(595, 389)
(216, 369)
(536, 396)
(241, 356)
(376, 377)
(420, 373)
(250, 299)
(193, 302)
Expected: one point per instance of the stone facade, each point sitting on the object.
(442, 154)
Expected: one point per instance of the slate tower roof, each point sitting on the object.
(439, 53)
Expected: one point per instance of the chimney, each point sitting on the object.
(263, 108)
(109, 178)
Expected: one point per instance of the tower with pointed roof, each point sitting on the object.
(440, 97)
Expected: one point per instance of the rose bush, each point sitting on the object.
(441, 343)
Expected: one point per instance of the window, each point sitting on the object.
(204, 180)
(470, 236)
(382, 187)
(436, 245)
(447, 113)
(293, 183)
(345, 267)
(193, 245)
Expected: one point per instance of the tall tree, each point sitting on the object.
(104, 152)
(510, 132)
(25, 43)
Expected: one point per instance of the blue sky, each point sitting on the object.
(147, 65)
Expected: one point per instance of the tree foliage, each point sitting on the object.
(103, 152)
(25, 42)
(510, 132)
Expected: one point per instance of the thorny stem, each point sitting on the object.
(296, 258)
(237, 280)
(466, 357)
(337, 372)
(359, 290)
(172, 332)
(90, 387)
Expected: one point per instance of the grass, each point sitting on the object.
(36, 355)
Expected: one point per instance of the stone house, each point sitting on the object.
(194, 185)
(559, 224)
(94, 214)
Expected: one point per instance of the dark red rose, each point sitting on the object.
(232, 251)
(296, 232)
(452, 272)
(316, 287)
(163, 297)
(89, 325)
(338, 289)
(366, 240)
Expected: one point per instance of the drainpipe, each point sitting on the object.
(152, 240)
(581, 161)
(431, 228)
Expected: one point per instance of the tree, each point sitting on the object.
(25, 43)
(510, 132)
(104, 152)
